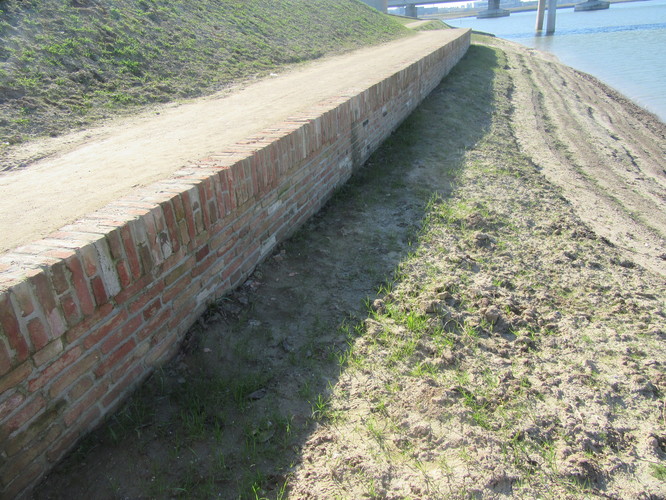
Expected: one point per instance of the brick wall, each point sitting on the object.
(88, 312)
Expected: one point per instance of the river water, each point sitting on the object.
(624, 46)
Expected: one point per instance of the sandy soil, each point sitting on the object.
(459, 322)
(49, 184)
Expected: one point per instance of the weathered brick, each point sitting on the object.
(178, 208)
(34, 432)
(101, 331)
(123, 274)
(45, 297)
(5, 357)
(115, 358)
(202, 253)
(146, 257)
(99, 290)
(144, 298)
(20, 417)
(117, 394)
(10, 404)
(152, 309)
(172, 225)
(115, 242)
(107, 268)
(67, 359)
(127, 330)
(81, 285)
(22, 459)
(80, 388)
(24, 298)
(71, 375)
(86, 404)
(89, 323)
(37, 332)
(190, 206)
(89, 260)
(52, 350)
(156, 323)
(130, 292)
(15, 377)
(153, 241)
(70, 309)
(64, 444)
(18, 483)
(179, 271)
(131, 251)
(203, 204)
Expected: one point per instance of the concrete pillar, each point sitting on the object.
(493, 10)
(541, 9)
(410, 10)
(552, 10)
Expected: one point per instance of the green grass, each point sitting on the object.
(65, 64)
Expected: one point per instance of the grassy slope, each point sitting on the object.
(65, 63)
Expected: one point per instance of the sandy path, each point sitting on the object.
(81, 175)
(606, 154)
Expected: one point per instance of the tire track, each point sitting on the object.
(605, 153)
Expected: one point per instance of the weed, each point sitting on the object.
(321, 408)
(658, 471)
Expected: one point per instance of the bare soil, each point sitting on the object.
(478, 314)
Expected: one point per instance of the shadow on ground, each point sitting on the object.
(228, 417)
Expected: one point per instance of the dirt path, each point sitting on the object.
(449, 326)
(85, 171)
(609, 159)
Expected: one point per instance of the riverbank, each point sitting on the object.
(461, 320)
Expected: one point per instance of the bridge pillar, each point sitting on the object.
(410, 10)
(552, 9)
(550, 22)
(541, 9)
(493, 10)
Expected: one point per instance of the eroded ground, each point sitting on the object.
(452, 325)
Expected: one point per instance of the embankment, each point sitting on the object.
(89, 311)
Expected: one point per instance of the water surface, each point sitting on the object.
(625, 45)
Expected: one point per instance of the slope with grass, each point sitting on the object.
(64, 64)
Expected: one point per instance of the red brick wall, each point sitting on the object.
(88, 312)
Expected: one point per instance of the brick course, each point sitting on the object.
(89, 311)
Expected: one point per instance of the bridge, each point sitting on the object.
(493, 10)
